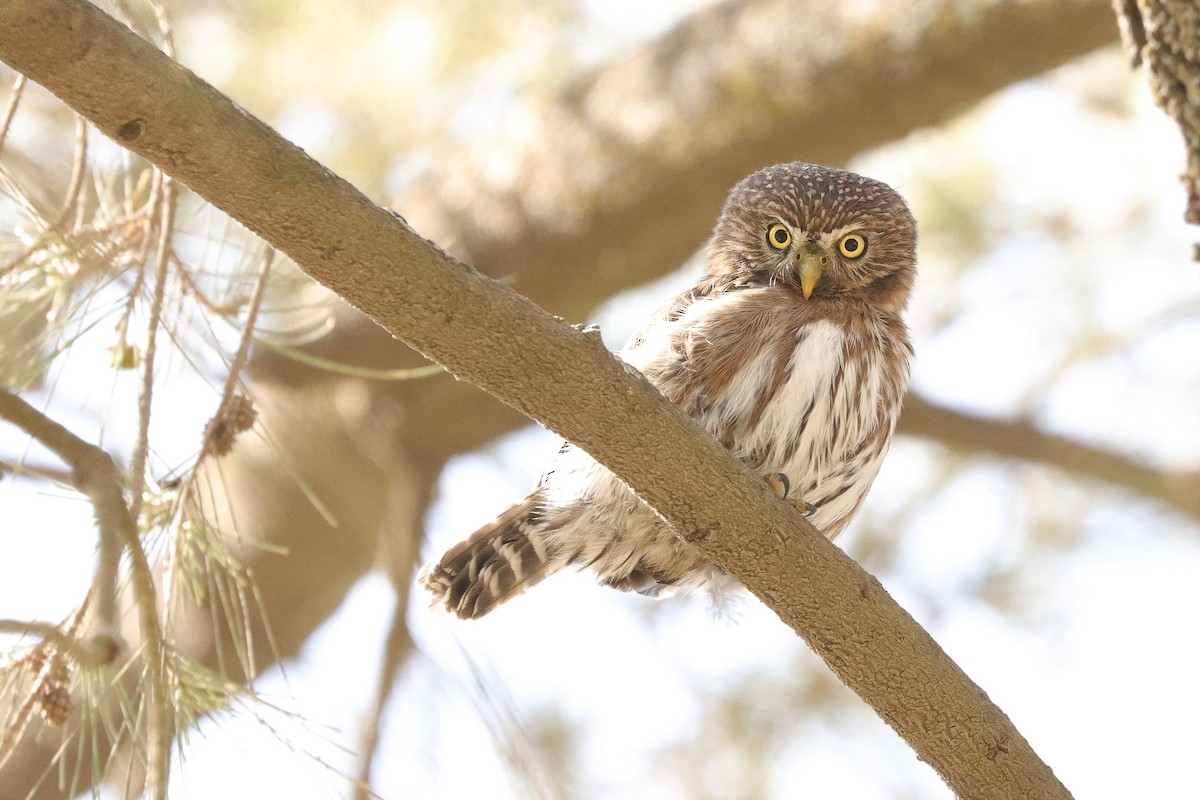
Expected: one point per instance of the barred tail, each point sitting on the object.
(494, 564)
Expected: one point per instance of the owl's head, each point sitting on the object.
(825, 232)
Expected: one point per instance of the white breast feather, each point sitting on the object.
(821, 463)
(813, 364)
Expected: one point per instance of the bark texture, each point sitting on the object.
(1164, 35)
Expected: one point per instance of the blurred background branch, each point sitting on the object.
(1023, 439)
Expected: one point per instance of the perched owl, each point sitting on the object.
(790, 350)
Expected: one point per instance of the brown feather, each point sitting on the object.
(496, 563)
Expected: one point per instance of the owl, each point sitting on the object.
(790, 350)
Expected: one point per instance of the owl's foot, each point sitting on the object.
(805, 509)
(780, 484)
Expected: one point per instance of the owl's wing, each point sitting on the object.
(657, 343)
(666, 315)
(645, 346)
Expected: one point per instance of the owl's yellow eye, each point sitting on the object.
(852, 245)
(779, 236)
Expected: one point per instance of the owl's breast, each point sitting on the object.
(785, 387)
(819, 406)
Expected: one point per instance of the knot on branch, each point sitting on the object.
(699, 532)
(131, 130)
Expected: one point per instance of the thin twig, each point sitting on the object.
(352, 370)
(90, 652)
(184, 271)
(187, 490)
(78, 171)
(95, 475)
(44, 678)
(137, 464)
(232, 380)
(243, 351)
(396, 652)
(10, 110)
(44, 471)
(159, 732)
(135, 291)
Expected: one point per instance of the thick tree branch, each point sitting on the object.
(489, 335)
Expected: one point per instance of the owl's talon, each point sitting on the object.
(779, 484)
(805, 509)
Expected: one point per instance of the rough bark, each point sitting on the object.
(1164, 35)
(489, 335)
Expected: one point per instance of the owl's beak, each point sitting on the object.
(810, 265)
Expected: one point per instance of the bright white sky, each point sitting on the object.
(1101, 680)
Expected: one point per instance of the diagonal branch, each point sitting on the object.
(489, 335)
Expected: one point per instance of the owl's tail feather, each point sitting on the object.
(494, 564)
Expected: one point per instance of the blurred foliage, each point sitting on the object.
(362, 85)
